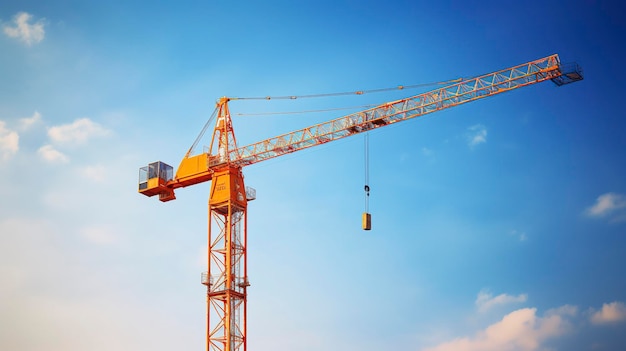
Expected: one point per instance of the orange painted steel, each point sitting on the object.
(227, 281)
(401, 110)
(199, 168)
(227, 278)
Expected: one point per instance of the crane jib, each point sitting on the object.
(548, 68)
(199, 168)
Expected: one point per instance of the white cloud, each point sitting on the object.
(520, 330)
(610, 313)
(99, 235)
(9, 142)
(521, 236)
(28, 122)
(203, 257)
(50, 154)
(77, 132)
(565, 310)
(477, 134)
(95, 173)
(24, 31)
(606, 204)
(94, 307)
(485, 300)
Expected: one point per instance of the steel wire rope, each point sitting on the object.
(305, 111)
(367, 171)
(206, 126)
(358, 92)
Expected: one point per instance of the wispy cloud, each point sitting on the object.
(28, 122)
(77, 132)
(521, 236)
(525, 330)
(38, 254)
(610, 313)
(99, 235)
(476, 134)
(427, 152)
(52, 155)
(485, 300)
(95, 173)
(606, 205)
(520, 330)
(9, 142)
(24, 31)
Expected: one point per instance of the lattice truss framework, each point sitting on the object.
(226, 325)
(400, 110)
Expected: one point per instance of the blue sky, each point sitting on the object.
(497, 225)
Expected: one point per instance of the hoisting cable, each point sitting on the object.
(358, 92)
(367, 217)
(367, 171)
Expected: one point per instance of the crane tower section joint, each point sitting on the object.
(227, 186)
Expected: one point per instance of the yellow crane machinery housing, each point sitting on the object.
(227, 278)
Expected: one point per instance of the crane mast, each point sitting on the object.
(226, 278)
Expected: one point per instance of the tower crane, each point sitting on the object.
(227, 277)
